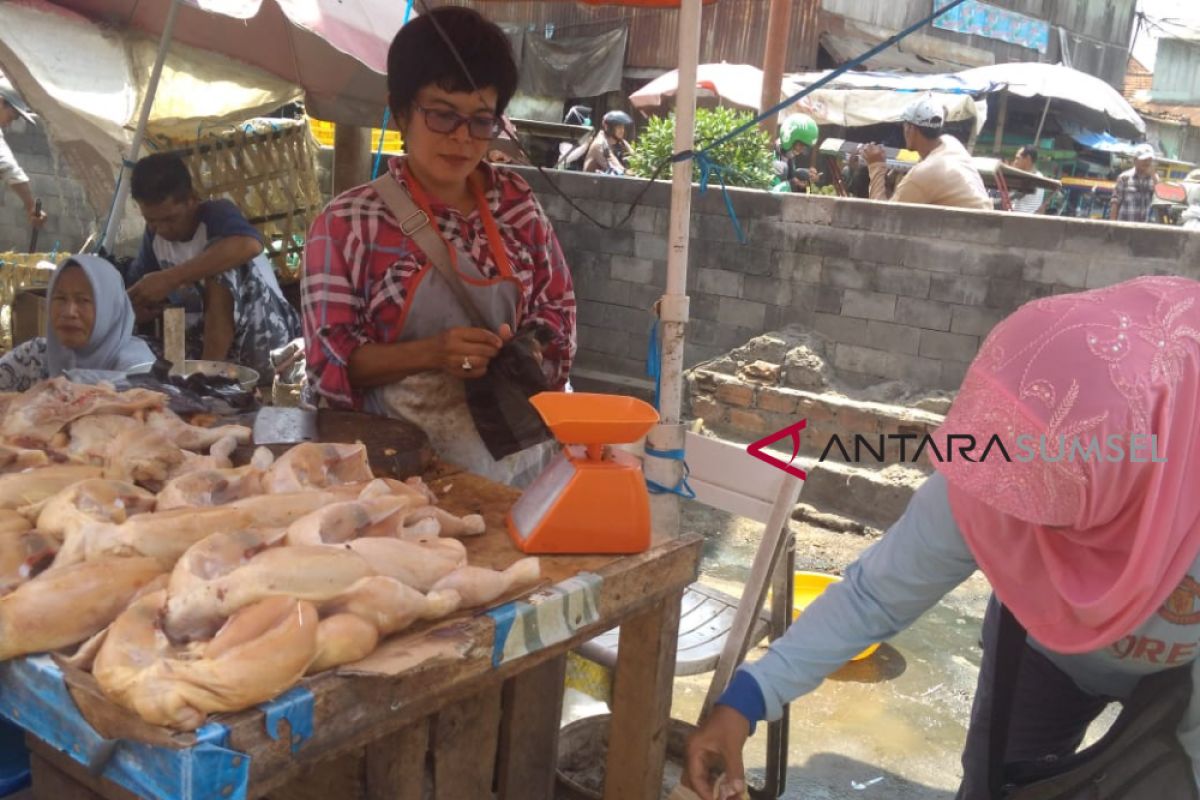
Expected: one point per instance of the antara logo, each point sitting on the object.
(758, 449)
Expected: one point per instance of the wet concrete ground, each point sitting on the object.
(891, 726)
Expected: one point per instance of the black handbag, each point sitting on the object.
(1139, 758)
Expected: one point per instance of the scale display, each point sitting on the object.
(592, 497)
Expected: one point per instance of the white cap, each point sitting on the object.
(925, 112)
(10, 96)
(1143, 152)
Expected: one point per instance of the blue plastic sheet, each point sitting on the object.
(34, 696)
(295, 706)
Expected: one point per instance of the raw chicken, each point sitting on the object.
(317, 573)
(91, 500)
(441, 523)
(64, 607)
(479, 586)
(194, 437)
(376, 516)
(32, 418)
(417, 564)
(24, 489)
(343, 639)
(317, 466)
(15, 459)
(13, 521)
(89, 438)
(219, 457)
(281, 510)
(164, 535)
(23, 554)
(215, 487)
(142, 456)
(259, 652)
(389, 605)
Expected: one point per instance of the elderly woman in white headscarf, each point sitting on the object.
(89, 326)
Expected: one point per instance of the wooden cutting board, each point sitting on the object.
(394, 447)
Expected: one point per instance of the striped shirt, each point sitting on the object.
(360, 269)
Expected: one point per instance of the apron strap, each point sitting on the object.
(416, 225)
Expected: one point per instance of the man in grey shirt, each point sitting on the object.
(12, 107)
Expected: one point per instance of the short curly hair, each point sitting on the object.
(419, 57)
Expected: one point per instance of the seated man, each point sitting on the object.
(946, 175)
(205, 256)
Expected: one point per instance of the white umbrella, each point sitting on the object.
(737, 85)
(1093, 101)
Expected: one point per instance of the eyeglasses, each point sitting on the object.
(479, 126)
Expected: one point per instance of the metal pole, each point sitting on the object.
(673, 308)
(779, 24)
(1001, 119)
(1037, 138)
(164, 44)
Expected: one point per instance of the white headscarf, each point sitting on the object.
(112, 345)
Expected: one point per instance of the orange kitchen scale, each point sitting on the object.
(592, 497)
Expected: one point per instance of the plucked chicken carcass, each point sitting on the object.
(478, 586)
(88, 439)
(163, 535)
(20, 490)
(91, 500)
(216, 487)
(65, 606)
(23, 554)
(418, 564)
(353, 623)
(194, 437)
(259, 652)
(16, 459)
(318, 466)
(35, 416)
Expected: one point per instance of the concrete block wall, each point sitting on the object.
(903, 292)
(70, 218)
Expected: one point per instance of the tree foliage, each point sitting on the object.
(748, 159)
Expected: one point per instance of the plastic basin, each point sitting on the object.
(808, 586)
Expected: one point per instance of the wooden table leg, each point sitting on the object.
(396, 764)
(642, 689)
(529, 732)
(465, 737)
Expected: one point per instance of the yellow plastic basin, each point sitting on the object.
(807, 586)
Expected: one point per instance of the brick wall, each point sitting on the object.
(902, 292)
(70, 217)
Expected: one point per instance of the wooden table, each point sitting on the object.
(460, 728)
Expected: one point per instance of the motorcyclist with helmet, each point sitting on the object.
(609, 152)
(797, 134)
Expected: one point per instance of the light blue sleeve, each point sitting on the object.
(919, 560)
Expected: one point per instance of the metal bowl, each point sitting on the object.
(247, 378)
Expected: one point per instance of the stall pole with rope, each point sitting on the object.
(135, 147)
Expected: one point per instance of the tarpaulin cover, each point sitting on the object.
(1104, 142)
(34, 696)
(574, 66)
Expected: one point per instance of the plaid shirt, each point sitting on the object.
(359, 271)
(1135, 194)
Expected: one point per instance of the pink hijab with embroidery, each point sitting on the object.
(1084, 546)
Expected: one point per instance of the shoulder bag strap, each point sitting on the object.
(1010, 643)
(416, 225)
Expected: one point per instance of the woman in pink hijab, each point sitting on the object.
(1084, 516)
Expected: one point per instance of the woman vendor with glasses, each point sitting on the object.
(384, 329)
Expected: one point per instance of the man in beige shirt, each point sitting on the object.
(945, 176)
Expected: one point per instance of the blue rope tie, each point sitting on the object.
(708, 168)
(683, 488)
(654, 363)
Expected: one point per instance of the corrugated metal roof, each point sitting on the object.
(1176, 72)
(731, 30)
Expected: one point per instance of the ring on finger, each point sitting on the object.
(466, 365)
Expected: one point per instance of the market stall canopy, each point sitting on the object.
(738, 85)
(1092, 102)
(859, 99)
(87, 83)
(1104, 142)
(335, 50)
